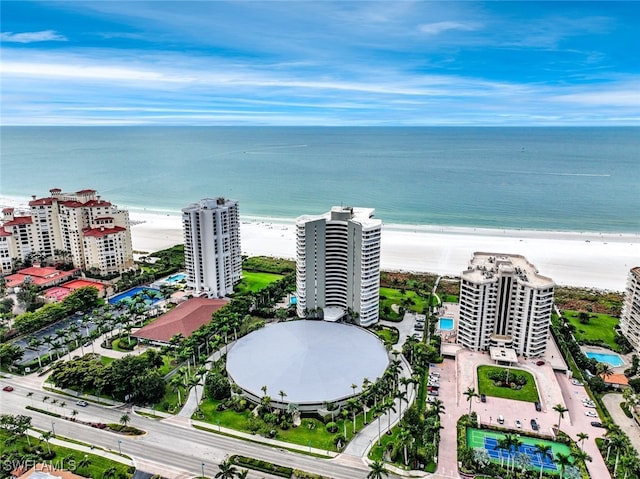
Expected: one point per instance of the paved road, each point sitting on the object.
(173, 449)
(628, 425)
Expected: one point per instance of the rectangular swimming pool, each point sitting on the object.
(445, 324)
(612, 359)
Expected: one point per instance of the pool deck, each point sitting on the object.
(600, 350)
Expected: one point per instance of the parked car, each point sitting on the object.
(82, 403)
(538, 406)
(534, 425)
(590, 414)
(575, 382)
(483, 397)
(433, 392)
(540, 363)
(518, 424)
(597, 424)
(500, 419)
(7, 388)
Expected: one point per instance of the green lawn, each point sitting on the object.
(391, 296)
(311, 432)
(71, 457)
(253, 281)
(529, 391)
(389, 335)
(601, 327)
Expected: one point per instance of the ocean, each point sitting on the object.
(556, 179)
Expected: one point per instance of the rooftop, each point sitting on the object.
(183, 319)
(487, 267)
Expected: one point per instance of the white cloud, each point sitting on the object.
(439, 27)
(32, 37)
(618, 98)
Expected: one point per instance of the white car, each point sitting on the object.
(518, 424)
(590, 414)
(592, 406)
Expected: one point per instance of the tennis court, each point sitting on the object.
(477, 438)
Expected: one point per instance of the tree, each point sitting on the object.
(46, 436)
(282, 396)
(84, 462)
(110, 472)
(470, 393)
(243, 474)
(560, 409)
(582, 436)
(604, 370)
(9, 354)
(176, 385)
(125, 419)
(377, 470)
(405, 439)
(563, 461)
(543, 451)
(227, 470)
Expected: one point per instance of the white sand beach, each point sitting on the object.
(593, 260)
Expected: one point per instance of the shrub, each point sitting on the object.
(332, 427)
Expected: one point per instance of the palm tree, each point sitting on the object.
(124, 419)
(543, 451)
(582, 436)
(35, 344)
(176, 385)
(470, 393)
(84, 462)
(377, 470)
(45, 436)
(282, 395)
(582, 456)
(390, 405)
(560, 409)
(437, 406)
(604, 370)
(515, 447)
(242, 474)
(405, 438)
(110, 472)
(401, 396)
(503, 445)
(227, 470)
(563, 461)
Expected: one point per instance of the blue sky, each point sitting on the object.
(320, 63)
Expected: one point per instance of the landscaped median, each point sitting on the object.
(508, 383)
(271, 468)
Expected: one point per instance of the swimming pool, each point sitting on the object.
(611, 359)
(151, 295)
(176, 277)
(445, 324)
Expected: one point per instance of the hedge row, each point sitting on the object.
(263, 466)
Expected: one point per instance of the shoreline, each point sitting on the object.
(582, 259)
(590, 260)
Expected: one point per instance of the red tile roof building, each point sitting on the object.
(95, 234)
(44, 277)
(183, 319)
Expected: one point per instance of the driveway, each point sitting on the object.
(628, 425)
